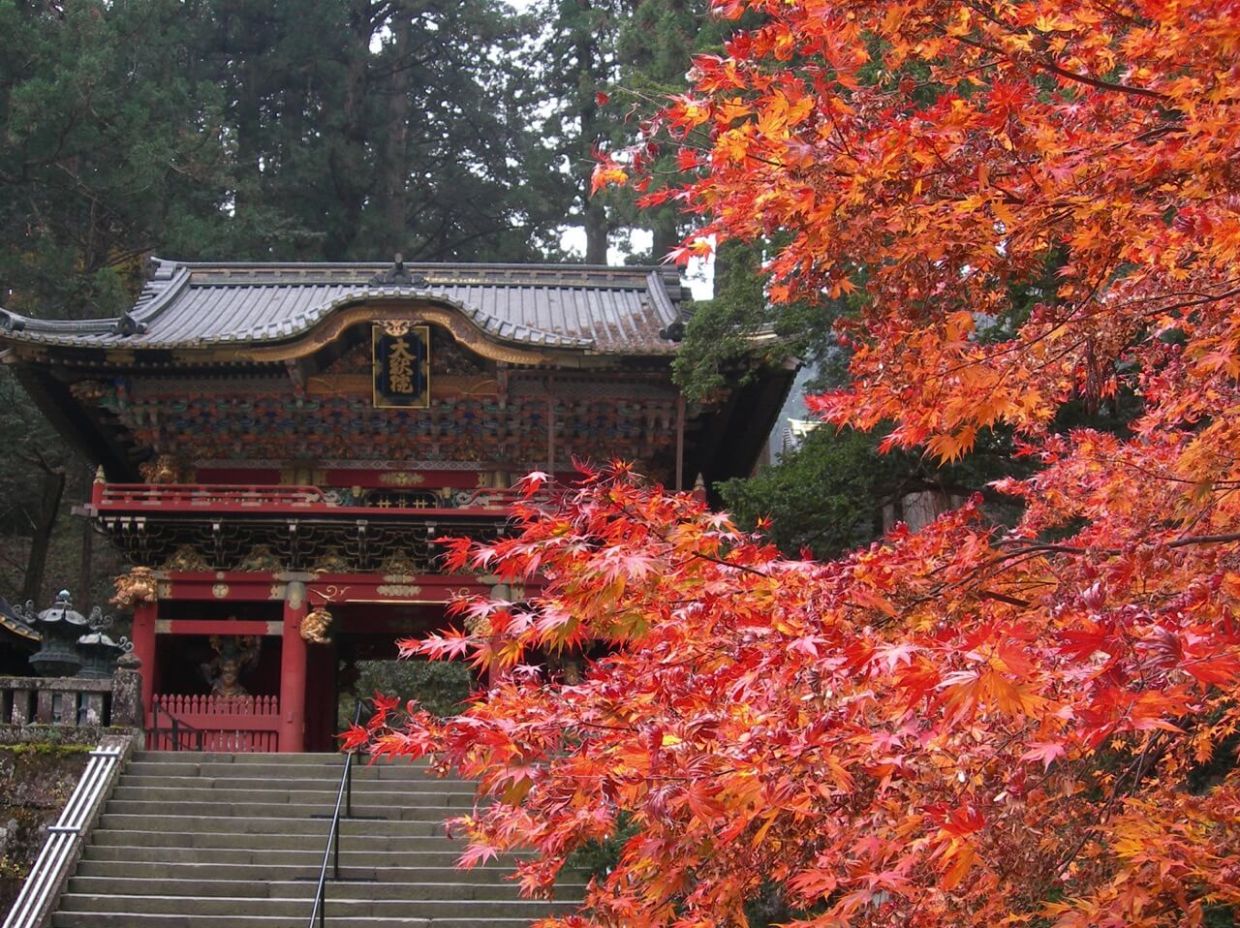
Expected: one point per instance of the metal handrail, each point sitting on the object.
(332, 853)
(177, 725)
(63, 839)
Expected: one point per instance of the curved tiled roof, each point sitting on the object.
(621, 310)
(13, 623)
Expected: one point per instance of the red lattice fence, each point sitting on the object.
(214, 723)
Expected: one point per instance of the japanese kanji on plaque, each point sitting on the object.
(401, 364)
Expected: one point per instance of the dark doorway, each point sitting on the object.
(362, 656)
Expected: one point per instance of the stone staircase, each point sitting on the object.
(236, 840)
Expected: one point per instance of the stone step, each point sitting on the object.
(351, 868)
(333, 758)
(364, 807)
(107, 841)
(417, 784)
(307, 854)
(323, 797)
(354, 888)
(132, 920)
(238, 841)
(257, 825)
(247, 757)
(443, 859)
(256, 906)
(325, 772)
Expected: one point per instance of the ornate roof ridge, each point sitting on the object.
(298, 273)
(383, 264)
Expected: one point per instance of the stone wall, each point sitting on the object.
(36, 780)
(48, 726)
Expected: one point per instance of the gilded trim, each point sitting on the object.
(367, 310)
(401, 478)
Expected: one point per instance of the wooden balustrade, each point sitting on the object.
(116, 498)
(123, 495)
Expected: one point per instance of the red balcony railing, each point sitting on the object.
(198, 498)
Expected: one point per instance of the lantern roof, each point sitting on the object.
(62, 611)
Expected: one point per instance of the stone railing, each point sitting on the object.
(75, 702)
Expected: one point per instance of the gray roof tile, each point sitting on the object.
(607, 310)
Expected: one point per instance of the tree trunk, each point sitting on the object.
(249, 144)
(51, 491)
(394, 168)
(596, 233)
(664, 233)
(732, 257)
(589, 67)
(244, 42)
(347, 155)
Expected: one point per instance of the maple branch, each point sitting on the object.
(1050, 548)
(1004, 598)
(1219, 484)
(721, 562)
(1131, 20)
(1199, 301)
(1015, 345)
(654, 530)
(1205, 540)
(1096, 82)
(1044, 64)
(1137, 767)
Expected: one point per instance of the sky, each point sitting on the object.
(699, 275)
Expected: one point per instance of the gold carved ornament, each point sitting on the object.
(314, 626)
(136, 586)
(164, 469)
(318, 620)
(187, 559)
(401, 478)
(261, 559)
(478, 625)
(398, 567)
(331, 561)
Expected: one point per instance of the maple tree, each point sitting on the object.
(973, 724)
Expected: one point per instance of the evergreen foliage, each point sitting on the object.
(324, 130)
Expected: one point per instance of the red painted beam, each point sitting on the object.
(226, 586)
(217, 627)
(242, 586)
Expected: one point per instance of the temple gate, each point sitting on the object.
(280, 446)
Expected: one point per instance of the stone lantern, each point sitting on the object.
(98, 651)
(61, 626)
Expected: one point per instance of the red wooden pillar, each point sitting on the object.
(293, 671)
(143, 637)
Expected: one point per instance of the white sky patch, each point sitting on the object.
(699, 275)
